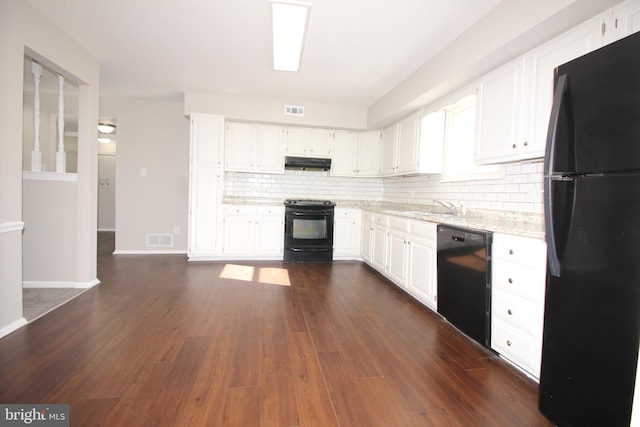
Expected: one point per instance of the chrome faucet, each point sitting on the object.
(450, 206)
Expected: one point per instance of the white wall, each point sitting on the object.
(49, 238)
(302, 185)
(25, 31)
(509, 30)
(154, 136)
(520, 189)
(272, 110)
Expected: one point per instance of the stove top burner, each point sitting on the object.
(308, 202)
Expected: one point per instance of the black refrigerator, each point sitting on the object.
(592, 215)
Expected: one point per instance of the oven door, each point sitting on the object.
(308, 234)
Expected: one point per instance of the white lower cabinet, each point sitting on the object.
(379, 246)
(517, 301)
(251, 231)
(346, 233)
(366, 236)
(422, 262)
(397, 252)
(403, 250)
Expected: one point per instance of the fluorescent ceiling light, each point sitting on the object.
(289, 21)
(104, 140)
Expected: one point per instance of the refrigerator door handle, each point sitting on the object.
(558, 95)
(549, 161)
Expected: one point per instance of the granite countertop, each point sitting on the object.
(517, 223)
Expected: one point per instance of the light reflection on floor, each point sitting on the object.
(246, 273)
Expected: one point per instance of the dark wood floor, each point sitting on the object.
(164, 343)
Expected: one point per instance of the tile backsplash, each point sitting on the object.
(519, 190)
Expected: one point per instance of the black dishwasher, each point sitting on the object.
(464, 280)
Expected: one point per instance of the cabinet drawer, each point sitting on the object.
(424, 229)
(346, 213)
(518, 312)
(270, 210)
(525, 281)
(398, 223)
(238, 210)
(522, 349)
(381, 220)
(523, 250)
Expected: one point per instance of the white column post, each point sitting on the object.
(36, 154)
(61, 159)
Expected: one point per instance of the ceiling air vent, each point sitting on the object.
(293, 110)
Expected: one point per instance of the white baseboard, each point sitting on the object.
(6, 330)
(51, 284)
(134, 252)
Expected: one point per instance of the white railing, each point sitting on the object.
(36, 153)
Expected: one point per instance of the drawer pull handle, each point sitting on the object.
(510, 280)
(509, 343)
(510, 251)
(509, 312)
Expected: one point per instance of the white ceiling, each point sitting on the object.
(355, 50)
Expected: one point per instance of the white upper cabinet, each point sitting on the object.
(413, 146)
(541, 65)
(345, 153)
(499, 135)
(390, 137)
(408, 145)
(254, 148)
(269, 152)
(514, 101)
(320, 142)
(308, 142)
(369, 153)
(240, 143)
(207, 136)
(621, 21)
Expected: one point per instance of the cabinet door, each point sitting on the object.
(388, 152)
(369, 154)
(422, 270)
(499, 109)
(319, 142)
(542, 63)
(205, 188)
(379, 252)
(238, 231)
(407, 154)
(207, 140)
(397, 257)
(346, 234)
(296, 143)
(345, 149)
(366, 247)
(269, 149)
(623, 20)
(269, 234)
(240, 146)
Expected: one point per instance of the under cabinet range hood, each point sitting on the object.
(307, 163)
